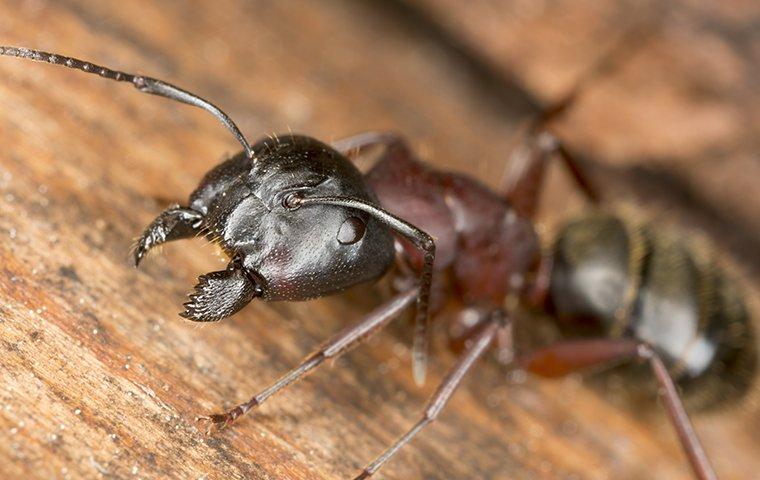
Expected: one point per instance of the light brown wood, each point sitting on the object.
(102, 379)
(675, 119)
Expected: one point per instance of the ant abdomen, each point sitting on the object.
(622, 278)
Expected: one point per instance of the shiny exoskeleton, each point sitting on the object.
(623, 278)
(298, 220)
(277, 252)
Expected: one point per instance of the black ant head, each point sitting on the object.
(296, 219)
(297, 251)
(294, 215)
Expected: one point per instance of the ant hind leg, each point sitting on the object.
(569, 356)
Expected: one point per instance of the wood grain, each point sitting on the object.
(102, 379)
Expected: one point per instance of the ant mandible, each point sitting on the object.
(298, 221)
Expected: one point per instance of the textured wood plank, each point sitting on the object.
(100, 378)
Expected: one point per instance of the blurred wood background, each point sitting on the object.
(102, 379)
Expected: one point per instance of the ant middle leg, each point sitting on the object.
(469, 322)
(333, 348)
(479, 344)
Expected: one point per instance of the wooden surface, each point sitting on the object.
(102, 379)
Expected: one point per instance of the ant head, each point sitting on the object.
(297, 251)
(295, 215)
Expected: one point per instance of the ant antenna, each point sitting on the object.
(422, 241)
(149, 85)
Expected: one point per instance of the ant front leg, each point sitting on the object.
(333, 348)
(570, 356)
(174, 223)
(397, 153)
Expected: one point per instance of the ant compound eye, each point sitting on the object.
(351, 231)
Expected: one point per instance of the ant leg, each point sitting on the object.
(336, 346)
(469, 322)
(505, 344)
(537, 289)
(526, 171)
(441, 397)
(174, 223)
(573, 355)
(527, 167)
(569, 356)
(420, 240)
(698, 459)
(576, 171)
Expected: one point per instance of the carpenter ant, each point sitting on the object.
(298, 220)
